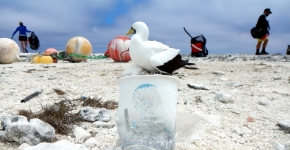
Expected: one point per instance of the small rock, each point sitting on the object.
(276, 78)
(59, 145)
(263, 103)
(233, 84)
(91, 143)
(101, 124)
(223, 97)
(86, 125)
(224, 79)
(32, 132)
(182, 75)
(190, 67)
(215, 83)
(237, 131)
(277, 146)
(284, 125)
(22, 146)
(287, 145)
(80, 134)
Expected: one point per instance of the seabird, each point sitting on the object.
(152, 56)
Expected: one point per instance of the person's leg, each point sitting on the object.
(22, 46)
(25, 46)
(264, 47)
(258, 47)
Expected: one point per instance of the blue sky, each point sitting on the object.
(225, 23)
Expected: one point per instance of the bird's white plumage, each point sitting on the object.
(148, 54)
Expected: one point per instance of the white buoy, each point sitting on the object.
(9, 51)
(79, 46)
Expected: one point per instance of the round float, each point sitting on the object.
(79, 46)
(50, 51)
(46, 60)
(9, 51)
(118, 49)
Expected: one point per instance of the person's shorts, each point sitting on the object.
(263, 38)
(22, 38)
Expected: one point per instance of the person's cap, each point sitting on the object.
(268, 10)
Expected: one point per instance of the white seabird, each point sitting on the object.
(152, 56)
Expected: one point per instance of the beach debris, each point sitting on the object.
(20, 130)
(288, 50)
(53, 53)
(223, 97)
(118, 49)
(284, 125)
(49, 51)
(9, 51)
(90, 114)
(101, 124)
(59, 145)
(250, 119)
(80, 134)
(79, 46)
(197, 86)
(220, 73)
(31, 96)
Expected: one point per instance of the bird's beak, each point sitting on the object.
(131, 31)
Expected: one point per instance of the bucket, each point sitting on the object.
(147, 112)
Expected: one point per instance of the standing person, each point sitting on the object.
(22, 36)
(263, 27)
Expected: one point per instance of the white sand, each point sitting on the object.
(99, 77)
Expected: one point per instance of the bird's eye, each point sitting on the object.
(133, 30)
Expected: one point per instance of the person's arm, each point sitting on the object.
(27, 30)
(14, 32)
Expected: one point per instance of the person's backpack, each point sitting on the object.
(33, 41)
(198, 48)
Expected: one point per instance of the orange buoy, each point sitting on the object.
(49, 51)
(118, 49)
(79, 46)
